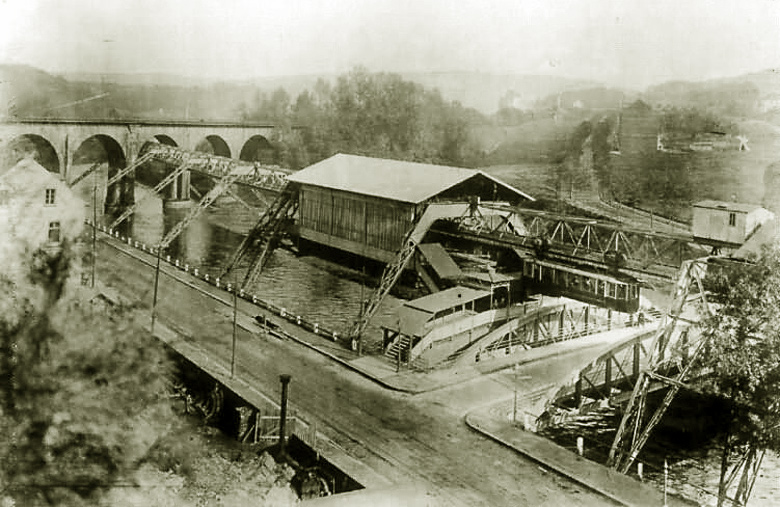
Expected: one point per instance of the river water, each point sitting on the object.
(319, 291)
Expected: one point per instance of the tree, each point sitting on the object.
(372, 114)
(742, 352)
(82, 398)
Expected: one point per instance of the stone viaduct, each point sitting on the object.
(57, 142)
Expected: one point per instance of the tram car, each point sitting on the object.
(605, 290)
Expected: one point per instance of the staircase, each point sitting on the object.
(398, 347)
(655, 314)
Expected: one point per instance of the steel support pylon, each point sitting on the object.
(266, 232)
(744, 474)
(668, 363)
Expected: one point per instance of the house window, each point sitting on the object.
(50, 193)
(54, 232)
(732, 219)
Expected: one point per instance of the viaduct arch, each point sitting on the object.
(55, 142)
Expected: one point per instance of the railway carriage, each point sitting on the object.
(605, 290)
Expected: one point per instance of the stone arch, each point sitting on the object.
(101, 147)
(215, 145)
(165, 139)
(258, 149)
(104, 148)
(31, 145)
(152, 172)
(157, 139)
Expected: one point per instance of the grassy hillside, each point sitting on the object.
(669, 183)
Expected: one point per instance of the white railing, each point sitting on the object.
(470, 320)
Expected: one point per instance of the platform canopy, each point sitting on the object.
(396, 180)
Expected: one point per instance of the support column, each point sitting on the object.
(285, 380)
(635, 362)
(561, 322)
(184, 186)
(178, 192)
(578, 392)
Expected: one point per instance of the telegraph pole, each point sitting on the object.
(94, 225)
(156, 283)
(235, 316)
(362, 310)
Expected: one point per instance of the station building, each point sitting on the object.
(365, 206)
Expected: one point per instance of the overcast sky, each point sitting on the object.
(630, 43)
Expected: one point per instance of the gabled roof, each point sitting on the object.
(25, 170)
(410, 182)
(28, 176)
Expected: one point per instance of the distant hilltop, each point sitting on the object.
(27, 91)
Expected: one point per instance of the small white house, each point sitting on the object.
(37, 210)
(727, 223)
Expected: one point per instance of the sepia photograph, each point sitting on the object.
(389, 253)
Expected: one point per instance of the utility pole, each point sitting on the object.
(362, 310)
(285, 380)
(94, 225)
(514, 404)
(156, 282)
(235, 316)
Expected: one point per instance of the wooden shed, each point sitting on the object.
(366, 205)
(727, 223)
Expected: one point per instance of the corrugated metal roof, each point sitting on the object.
(727, 206)
(389, 179)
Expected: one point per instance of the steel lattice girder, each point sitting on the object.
(127, 170)
(268, 224)
(271, 231)
(207, 200)
(86, 173)
(253, 174)
(156, 190)
(657, 254)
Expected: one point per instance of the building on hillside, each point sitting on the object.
(727, 224)
(365, 206)
(37, 210)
